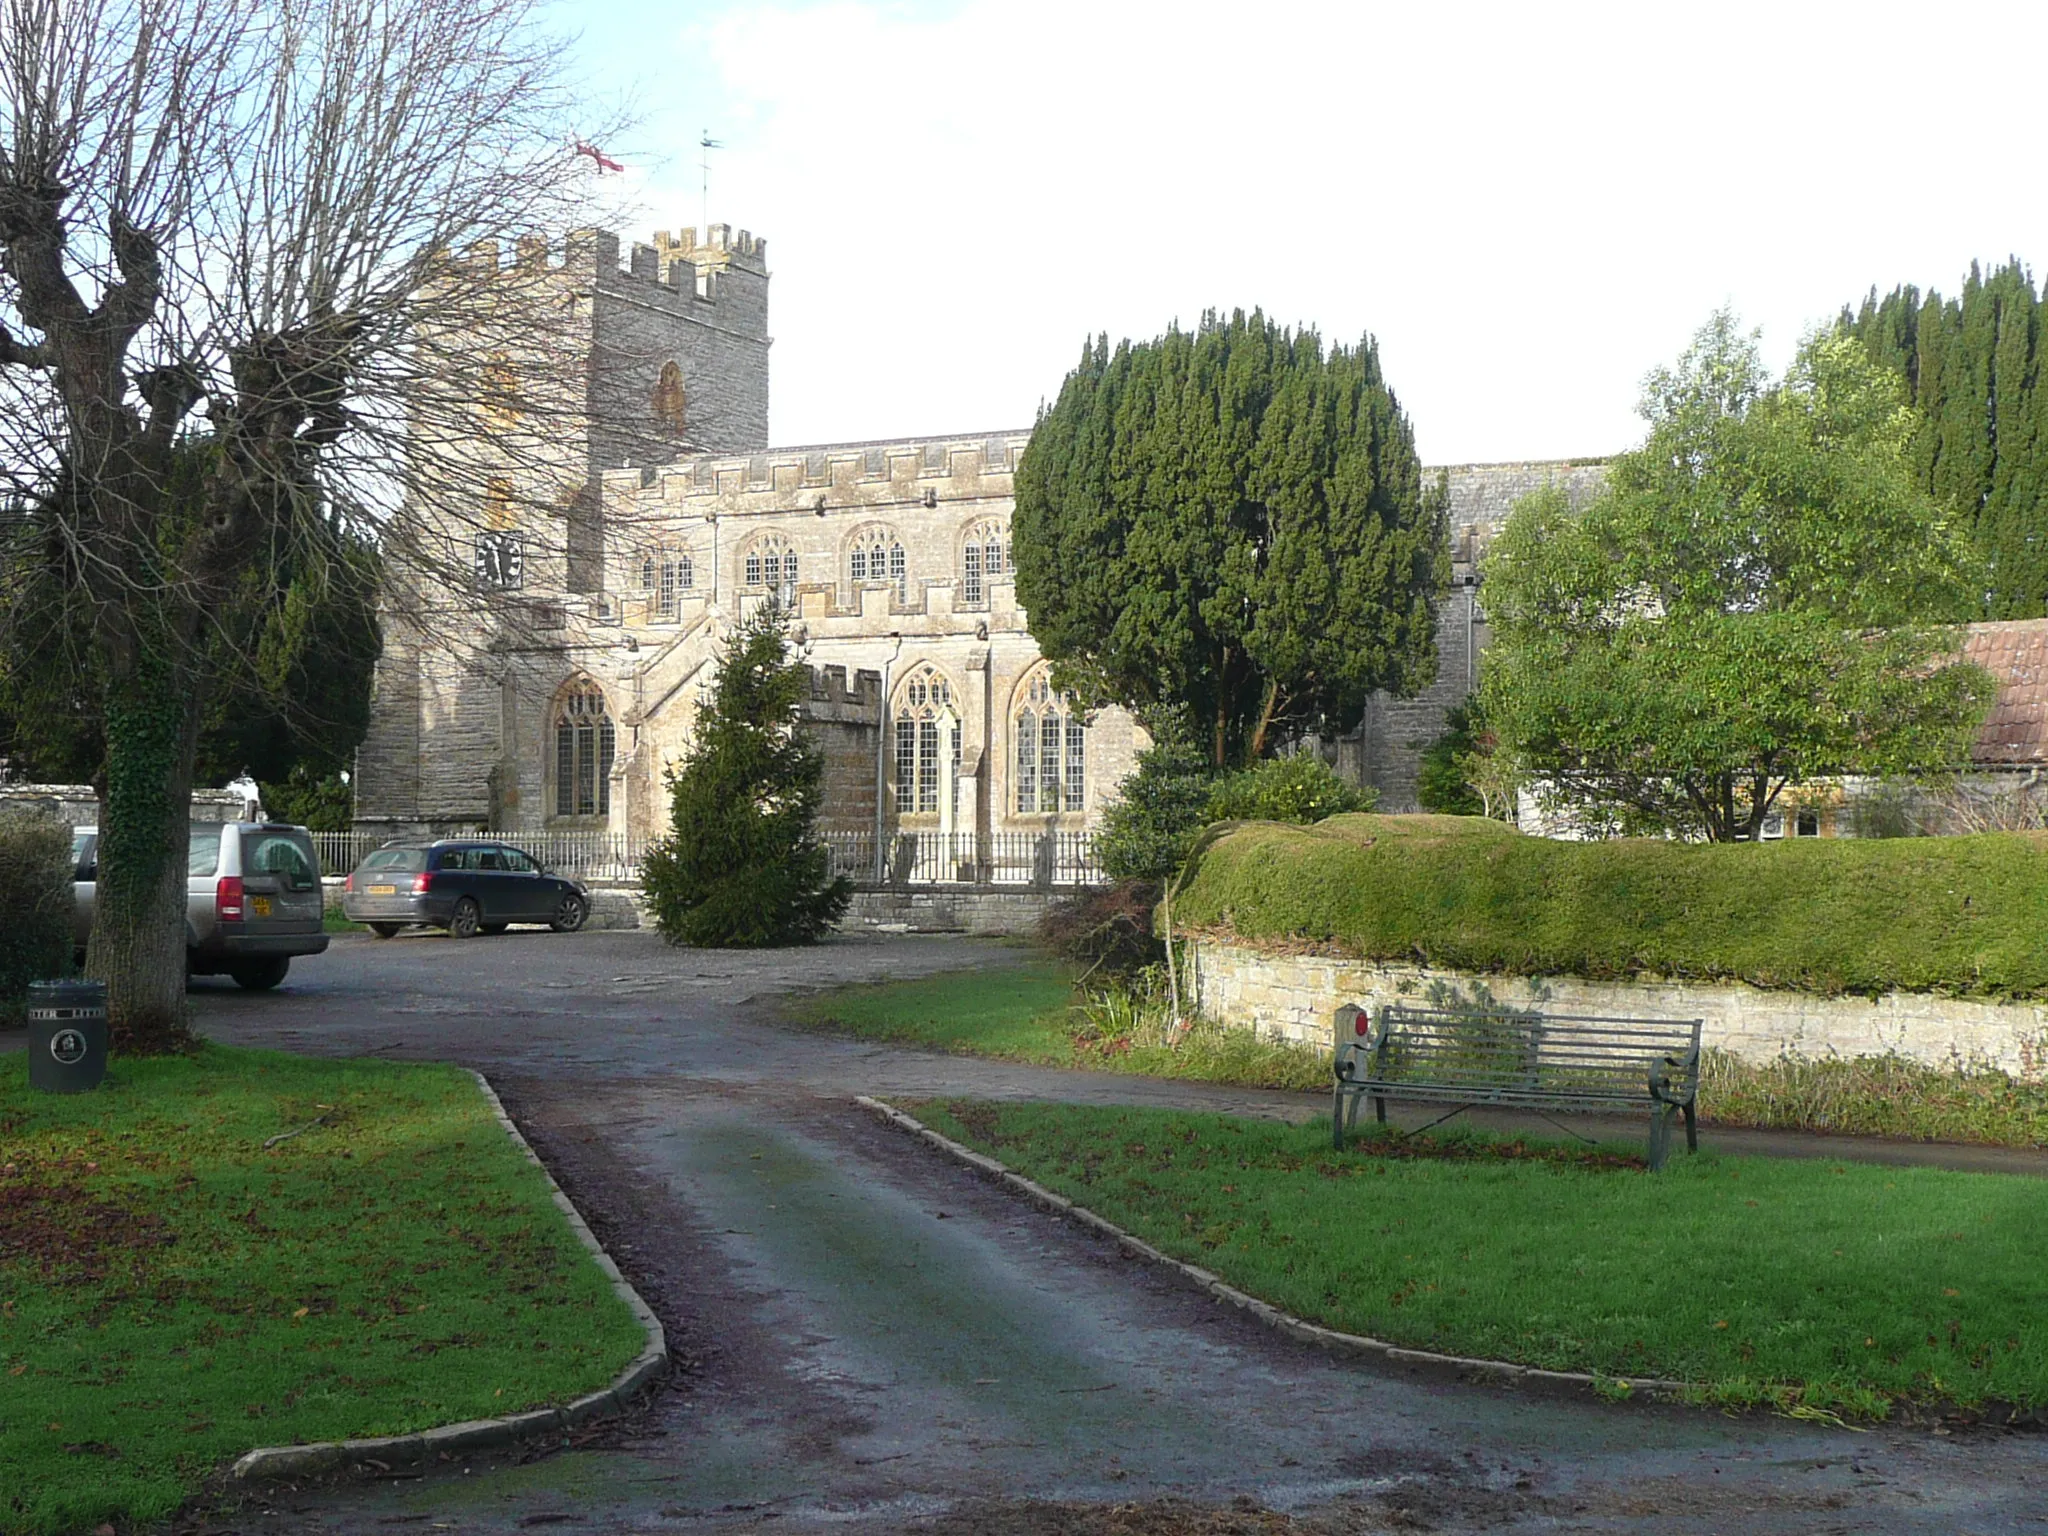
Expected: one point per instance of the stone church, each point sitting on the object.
(550, 692)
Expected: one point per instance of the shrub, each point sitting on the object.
(35, 898)
(1108, 930)
(1302, 788)
(1961, 915)
(1160, 810)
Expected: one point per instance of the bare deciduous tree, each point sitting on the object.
(229, 316)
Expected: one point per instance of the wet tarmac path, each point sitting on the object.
(871, 1338)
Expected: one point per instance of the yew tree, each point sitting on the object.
(1230, 526)
(1763, 593)
(230, 328)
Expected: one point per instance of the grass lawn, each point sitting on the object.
(173, 1293)
(1809, 1286)
(1032, 1012)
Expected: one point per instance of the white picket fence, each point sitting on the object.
(1042, 859)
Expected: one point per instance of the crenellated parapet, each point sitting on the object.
(678, 273)
(834, 697)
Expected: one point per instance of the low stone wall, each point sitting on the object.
(1291, 997)
(948, 909)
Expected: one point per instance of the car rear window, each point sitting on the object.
(287, 855)
(409, 861)
(202, 855)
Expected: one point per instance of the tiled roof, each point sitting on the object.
(2016, 653)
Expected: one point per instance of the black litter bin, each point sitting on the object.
(67, 1035)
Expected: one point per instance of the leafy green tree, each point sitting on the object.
(742, 867)
(1231, 524)
(1972, 366)
(1757, 597)
(1443, 781)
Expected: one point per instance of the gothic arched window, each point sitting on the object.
(770, 566)
(984, 557)
(1052, 750)
(927, 742)
(585, 743)
(671, 400)
(666, 573)
(876, 554)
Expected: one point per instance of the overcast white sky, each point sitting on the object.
(1528, 205)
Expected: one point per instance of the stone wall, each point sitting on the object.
(1386, 749)
(1291, 997)
(944, 909)
(79, 806)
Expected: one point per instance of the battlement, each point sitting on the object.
(676, 266)
(829, 690)
(913, 465)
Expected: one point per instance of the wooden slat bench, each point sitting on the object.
(1511, 1059)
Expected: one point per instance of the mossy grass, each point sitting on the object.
(1807, 1286)
(174, 1292)
(1034, 1012)
(1960, 915)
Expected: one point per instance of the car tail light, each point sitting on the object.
(349, 885)
(227, 899)
(422, 883)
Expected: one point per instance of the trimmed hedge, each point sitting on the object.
(35, 904)
(1960, 915)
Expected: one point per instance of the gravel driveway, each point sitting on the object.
(872, 1339)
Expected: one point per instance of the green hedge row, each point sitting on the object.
(1963, 915)
(35, 903)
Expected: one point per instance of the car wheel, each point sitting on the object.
(465, 920)
(570, 913)
(386, 930)
(494, 929)
(261, 975)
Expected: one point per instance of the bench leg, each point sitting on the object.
(1379, 1108)
(1337, 1117)
(1660, 1136)
(1692, 1135)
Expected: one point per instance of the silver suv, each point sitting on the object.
(252, 898)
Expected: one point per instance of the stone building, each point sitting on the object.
(610, 558)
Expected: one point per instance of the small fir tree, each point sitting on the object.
(743, 867)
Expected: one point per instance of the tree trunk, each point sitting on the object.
(1271, 702)
(138, 942)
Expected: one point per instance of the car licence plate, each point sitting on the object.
(259, 906)
(383, 890)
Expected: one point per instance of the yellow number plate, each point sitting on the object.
(383, 890)
(259, 906)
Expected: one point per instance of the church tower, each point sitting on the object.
(580, 364)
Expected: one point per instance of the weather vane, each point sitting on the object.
(706, 145)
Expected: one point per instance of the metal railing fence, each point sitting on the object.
(1042, 859)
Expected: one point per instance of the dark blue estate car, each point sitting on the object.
(466, 886)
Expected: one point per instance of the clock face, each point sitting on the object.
(500, 560)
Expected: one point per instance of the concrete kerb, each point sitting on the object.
(1273, 1317)
(274, 1461)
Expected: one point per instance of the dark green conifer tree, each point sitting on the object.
(1231, 524)
(1972, 366)
(742, 866)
